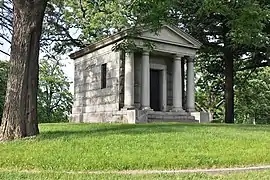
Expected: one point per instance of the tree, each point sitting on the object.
(209, 85)
(97, 19)
(235, 29)
(253, 96)
(20, 112)
(54, 97)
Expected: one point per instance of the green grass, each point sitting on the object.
(198, 176)
(79, 147)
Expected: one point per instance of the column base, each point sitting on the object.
(128, 108)
(146, 108)
(178, 109)
(191, 110)
(164, 110)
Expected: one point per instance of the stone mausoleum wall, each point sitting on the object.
(91, 102)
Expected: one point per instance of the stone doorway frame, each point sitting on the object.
(163, 84)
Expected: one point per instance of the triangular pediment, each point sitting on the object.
(172, 35)
(167, 35)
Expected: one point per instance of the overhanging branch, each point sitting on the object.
(76, 42)
(254, 66)
(4, 52)
(6, 39)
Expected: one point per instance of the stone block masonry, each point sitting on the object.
(92, 103)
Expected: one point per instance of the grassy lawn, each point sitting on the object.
(198, 176)
(79, 147)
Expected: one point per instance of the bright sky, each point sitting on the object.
(68, 69)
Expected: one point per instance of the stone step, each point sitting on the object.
(171, 117)
(183, 113)
(152, 116)
(172, 120)
(156, 116)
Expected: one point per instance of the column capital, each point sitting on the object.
(129, 53)
(191, 59)
(145, 53)
(178, 57)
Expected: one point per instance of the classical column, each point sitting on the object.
(183, 83)
(129, 81)
(190, 85)
(177, 84)
(164, 90)
(145, 95)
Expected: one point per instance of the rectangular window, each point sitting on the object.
(103, 76)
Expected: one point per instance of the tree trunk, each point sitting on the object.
(20, 110)
(32, 121)
(229, 92)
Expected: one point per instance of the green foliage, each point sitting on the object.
(4, 66)
(97, 19)
(253, 97)
(245, 20)
(230, 31)
(54, 97)
(210, 85)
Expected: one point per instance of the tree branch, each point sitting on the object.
(6, 39)
(82, 9)
(8, 9)
(200, 107)
(4, 52)
(258, 65)
(74, 41)
(56, 104)
(219, 104)
(6, 19)
(4, 27)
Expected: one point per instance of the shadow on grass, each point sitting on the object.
(118, 129)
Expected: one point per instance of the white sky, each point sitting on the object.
(68, 69)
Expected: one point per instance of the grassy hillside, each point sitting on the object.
(188, 176)
(80, 147)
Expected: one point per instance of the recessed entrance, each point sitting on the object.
(155, 89)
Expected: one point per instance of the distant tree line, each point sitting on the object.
(54, 96)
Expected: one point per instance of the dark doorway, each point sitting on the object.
(155, 89)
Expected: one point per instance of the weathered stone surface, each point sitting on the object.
(91, 103)
(93, 117)
(202, 117)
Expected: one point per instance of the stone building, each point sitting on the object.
(146, 85)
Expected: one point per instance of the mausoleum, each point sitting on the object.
(132, 86)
